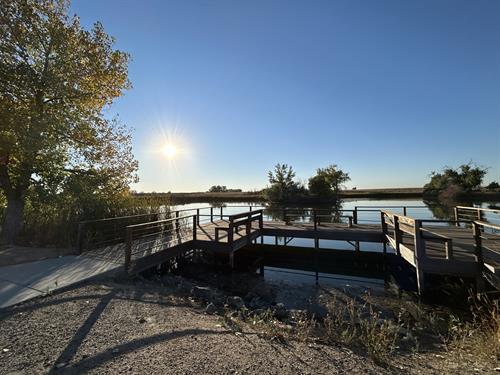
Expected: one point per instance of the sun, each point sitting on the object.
(170, 150)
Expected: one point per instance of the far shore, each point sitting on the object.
(258, 196)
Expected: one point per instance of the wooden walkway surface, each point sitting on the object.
(459, 248)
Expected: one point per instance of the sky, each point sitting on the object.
(387, 90)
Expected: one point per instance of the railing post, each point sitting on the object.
(315, 220)
(248, 227)
(177, 227)
(448, 249)
(479, 214)
(355, 215)
(198, 216)
(419, 255)
(79, 237)
(195, 227)
(230, 234)
(397, 234)
(384, 229)
(455, 212)
(404, 210)
(261, 220)
(211, 214)
(221, 215)
(128, 249)
(478, 247)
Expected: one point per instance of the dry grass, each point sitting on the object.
(348, 323)
(479, 336)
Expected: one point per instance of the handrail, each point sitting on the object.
(133, 226)
(487, 225)
(478, 208)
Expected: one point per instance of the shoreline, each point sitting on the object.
(258, 197)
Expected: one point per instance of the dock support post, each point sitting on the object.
(355, 215)
(404, 210)
(221, 216)
(211, 214)
(419, 256)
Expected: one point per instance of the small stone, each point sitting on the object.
(211, 309)
(497, 369)
(5, 350)
(235, 302)
(280, 311)
(142, 320)
(202, 293)
(61, 364)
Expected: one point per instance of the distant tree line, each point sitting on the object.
(223, 189)
(324, 185)
(451, 182)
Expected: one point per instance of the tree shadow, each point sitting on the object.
(101, 358)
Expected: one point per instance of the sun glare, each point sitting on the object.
(170, 150)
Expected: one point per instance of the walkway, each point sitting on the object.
(25, 281)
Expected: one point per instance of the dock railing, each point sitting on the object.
(152, 237)
(237, 220)
(475, 213)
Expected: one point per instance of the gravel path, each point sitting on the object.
(110, 328)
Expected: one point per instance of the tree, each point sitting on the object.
(217, 189)
(493, 185)
(283, 185)
(55, 80)
(328, 181)
(466, 178)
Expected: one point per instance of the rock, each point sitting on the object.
(142, 320)
(317, 310)
(264, 291)
(211, 309)
(280, 311)
(5, 350)
(202, 293)
(257, 303)
(235, 302)
(497, 369)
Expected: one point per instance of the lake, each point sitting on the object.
(416, 208)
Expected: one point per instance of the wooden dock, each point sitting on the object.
(467, 246)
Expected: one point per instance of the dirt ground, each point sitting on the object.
(135, 328)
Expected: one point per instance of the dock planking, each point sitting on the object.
(460, 247)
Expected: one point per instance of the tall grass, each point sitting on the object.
(55, 223)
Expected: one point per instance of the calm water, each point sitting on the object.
(416, 208)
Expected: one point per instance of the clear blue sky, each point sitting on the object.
(388, 90)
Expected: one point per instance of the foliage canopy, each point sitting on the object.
(55, 81)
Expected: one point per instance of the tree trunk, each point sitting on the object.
(13, 222)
